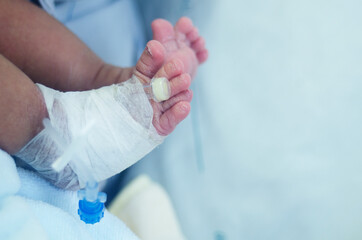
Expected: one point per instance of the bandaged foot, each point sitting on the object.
(182, 42)
(126, 126)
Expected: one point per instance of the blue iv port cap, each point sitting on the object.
(91, 212)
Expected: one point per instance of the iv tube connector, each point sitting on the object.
(91, 203)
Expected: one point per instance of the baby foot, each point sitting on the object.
(152, 63)
(182, 42)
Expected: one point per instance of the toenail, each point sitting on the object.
(184, 108)
(188, 93)
(148, 50)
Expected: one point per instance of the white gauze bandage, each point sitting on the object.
(123, 132)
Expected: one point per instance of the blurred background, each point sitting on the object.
(273, 147)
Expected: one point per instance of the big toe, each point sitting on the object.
(150, 61)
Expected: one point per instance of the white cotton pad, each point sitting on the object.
(161, 89)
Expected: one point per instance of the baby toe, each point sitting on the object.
(202, 56)
(198, 45)
(162, 30)
(184, 25)
(171, 69)
(150, 61)
(180, 83)
(184, 96)
(193, 35)
(173, 116)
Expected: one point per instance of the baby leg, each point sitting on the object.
(22, 108)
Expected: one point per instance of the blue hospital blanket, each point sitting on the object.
(31, 208)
